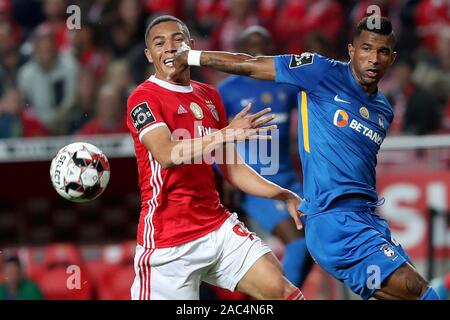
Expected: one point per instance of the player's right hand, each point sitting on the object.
(246, 126)
(292, 202)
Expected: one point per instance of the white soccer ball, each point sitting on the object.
(80, 172)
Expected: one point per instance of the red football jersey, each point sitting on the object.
(178, 204)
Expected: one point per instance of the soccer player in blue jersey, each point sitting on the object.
(343, 121)
(237, 92)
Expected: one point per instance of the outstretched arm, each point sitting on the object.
(260, 67)
(171, 152)
(243, 177)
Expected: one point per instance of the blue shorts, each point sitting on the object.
(268, 213)
(354, 244)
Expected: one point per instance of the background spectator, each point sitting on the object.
(119, 76)
(87, 48)
(16, 286)
(55, 20)
(416, 109)
(16, 121)
(296, 19)
(126, 31)
(433, 70)
(48, 81)
(84, 106)
(110, 43)
(10, 57)
(110, 116)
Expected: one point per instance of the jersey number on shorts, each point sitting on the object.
(242, 231)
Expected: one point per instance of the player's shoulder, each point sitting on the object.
(384, 106)
(315, 59)
(383, 100)
(146, 90)
(203, 87)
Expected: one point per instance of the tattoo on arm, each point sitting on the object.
(235, 67)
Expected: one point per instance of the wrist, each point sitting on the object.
(193, 58)
(228, 135)
(279, 193)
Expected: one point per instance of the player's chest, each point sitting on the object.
(347, 109)
(191, 116)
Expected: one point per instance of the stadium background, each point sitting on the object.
(94, 67)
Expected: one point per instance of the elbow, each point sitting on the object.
(164, 160)
(165, 163)
(169, 162)
(164, 156)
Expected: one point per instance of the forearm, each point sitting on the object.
(188, 151)
(249, 181)
(238, 63)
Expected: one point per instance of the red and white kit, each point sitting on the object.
(180, 205)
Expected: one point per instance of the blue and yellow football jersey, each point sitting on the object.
(341, 128)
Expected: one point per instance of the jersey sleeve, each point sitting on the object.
(304, 71)
(143, 114)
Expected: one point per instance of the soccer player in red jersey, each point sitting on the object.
(185, 236)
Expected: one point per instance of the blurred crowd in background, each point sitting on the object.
(56, 81)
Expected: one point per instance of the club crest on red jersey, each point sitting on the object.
(213, 109)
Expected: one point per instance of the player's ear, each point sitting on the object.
(192, 43)
(393, 57)
(351, 50)
(148, 55)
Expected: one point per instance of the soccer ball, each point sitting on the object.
(80, 172)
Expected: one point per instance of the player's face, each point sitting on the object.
(371, 54)
(257, 45)
(163, 40)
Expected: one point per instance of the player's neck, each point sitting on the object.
(183, 80)
(369, 89)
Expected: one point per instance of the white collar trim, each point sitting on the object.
(170, 86)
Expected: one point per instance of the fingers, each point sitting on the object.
(259, 137)
(256, 134)
(183, 47)
(266, 130)
(259, 114)
(244, 111)
(264, 121)
(171, 75)
(253, 134)
(296, 216)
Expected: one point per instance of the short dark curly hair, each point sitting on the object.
(375, 24)
(166, 18)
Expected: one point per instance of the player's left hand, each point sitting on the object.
(179, 62)
(292, 202)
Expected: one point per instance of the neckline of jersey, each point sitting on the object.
(358, 88)
(170, 86)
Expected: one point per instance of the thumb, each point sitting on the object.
(295, 214)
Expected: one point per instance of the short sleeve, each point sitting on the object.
(143, 114)
(304, 71)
